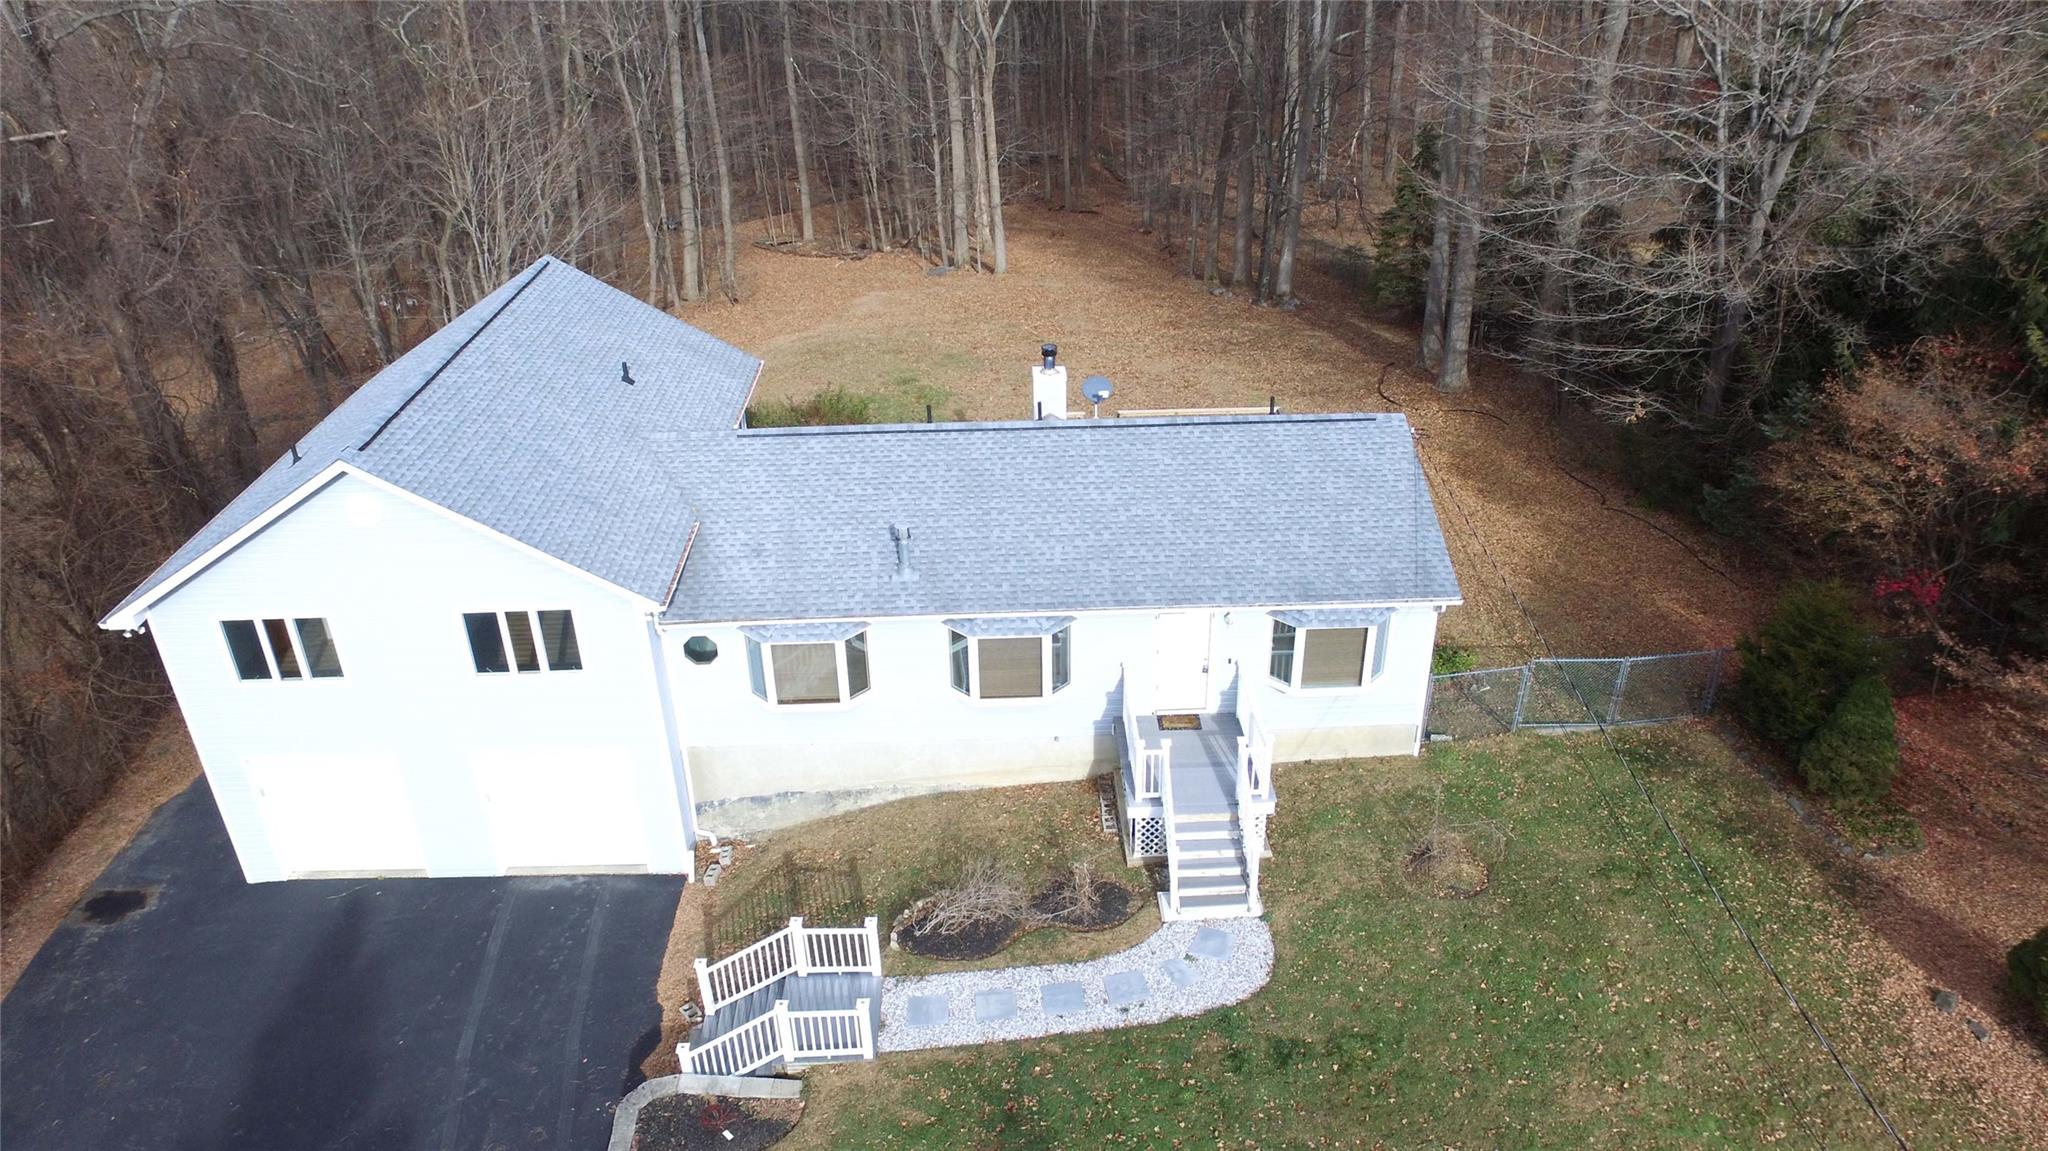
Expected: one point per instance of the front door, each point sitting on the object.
(1180, 661)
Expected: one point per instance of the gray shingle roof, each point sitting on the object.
(529, 429)
(1060, 516)
(515, 416)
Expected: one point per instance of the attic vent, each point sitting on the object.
(625, 372)
(901, 535)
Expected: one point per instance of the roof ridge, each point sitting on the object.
(1076, 424)
(542, 265)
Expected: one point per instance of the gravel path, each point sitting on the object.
(1209, 983)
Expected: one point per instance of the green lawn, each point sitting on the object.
(1591, 996)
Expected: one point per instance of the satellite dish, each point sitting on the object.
(1097, 389)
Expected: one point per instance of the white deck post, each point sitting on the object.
(785, 1031)
(866, 1028)
(799, 950)
(683, 1056)
(704, 995)
(874, 948)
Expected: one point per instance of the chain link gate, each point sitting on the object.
(1574, 694)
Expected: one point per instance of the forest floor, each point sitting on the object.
(1600, 581)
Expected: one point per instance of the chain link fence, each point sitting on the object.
(1575, 694)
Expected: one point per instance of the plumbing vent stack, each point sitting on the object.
(901, 535)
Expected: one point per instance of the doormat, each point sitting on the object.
(1180, 723)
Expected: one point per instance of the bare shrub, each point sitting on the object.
(986, 893)
(1075, 895)
(1450, 858)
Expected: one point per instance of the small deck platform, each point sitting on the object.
(1204, 763)
(836, 992)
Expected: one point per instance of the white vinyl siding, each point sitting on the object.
(411, 705)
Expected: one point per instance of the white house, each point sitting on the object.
(535, 600)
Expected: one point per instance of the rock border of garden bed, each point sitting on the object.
(626, 1116)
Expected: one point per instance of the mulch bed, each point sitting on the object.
(699, 1123)
(1114, 903)
(976, 941)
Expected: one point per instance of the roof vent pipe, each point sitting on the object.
(901, 535)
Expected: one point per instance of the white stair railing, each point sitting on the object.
(746, 1048)
(793, 950)
(1166, 824)
(835, 1034)
(783, 1036)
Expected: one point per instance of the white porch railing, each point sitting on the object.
(1166, 821)
(1254, 755)
(784, 1036)
(1149, 765)
(794, 950)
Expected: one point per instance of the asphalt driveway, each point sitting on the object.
(406, 1013)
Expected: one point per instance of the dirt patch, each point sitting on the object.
(704, 1123)
(166, 767)
(1445, 866)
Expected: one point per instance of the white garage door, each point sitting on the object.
(330, 814)
(562, 809)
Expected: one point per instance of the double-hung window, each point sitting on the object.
(1349, 653)
(518, 640)
(807, 663)
(282, 649)
(1023, 658)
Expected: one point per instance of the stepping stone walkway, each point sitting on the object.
(995, 1005)
(1183, 969)
(927, 1010)
(1124, 988)
(1064, 998)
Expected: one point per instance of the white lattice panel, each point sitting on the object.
(1147, 834)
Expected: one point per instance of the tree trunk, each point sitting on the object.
(1307, 84)
(1367, 29)
(650, 204)
(686, 172)
(171, 456)
(1391, 150)
(1571, 216)
(1436, 282)
(1221, 190)
(238, 431)
(991, 32)
(946, 26)
(1454, 375)
(796, 132)
(728, 267)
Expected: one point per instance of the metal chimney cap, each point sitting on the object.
(1051, 354)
